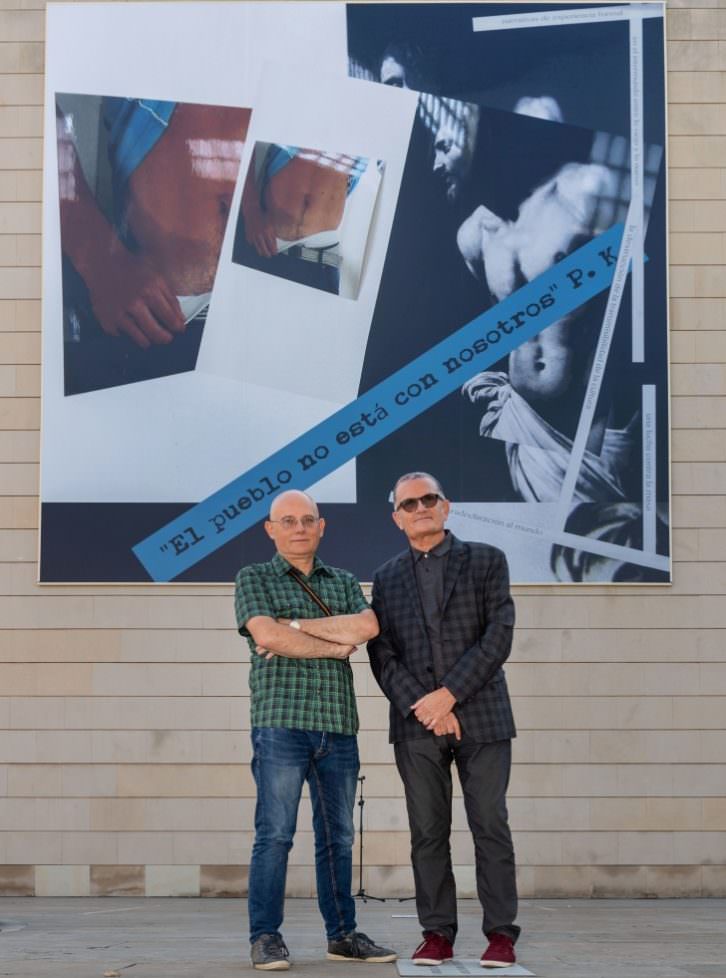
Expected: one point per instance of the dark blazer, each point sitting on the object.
(478, 620)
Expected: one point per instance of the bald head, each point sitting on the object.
(295, 527)
(292, 496)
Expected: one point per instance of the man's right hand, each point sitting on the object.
(343, 651)
(131, 298)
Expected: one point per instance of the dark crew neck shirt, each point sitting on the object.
(430, 568)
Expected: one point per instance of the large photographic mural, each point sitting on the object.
(323, 245)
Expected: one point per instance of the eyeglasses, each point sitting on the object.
(428, 501)
(290, 522)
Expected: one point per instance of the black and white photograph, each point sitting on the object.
(511, 169)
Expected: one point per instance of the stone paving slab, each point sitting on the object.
(192, 938)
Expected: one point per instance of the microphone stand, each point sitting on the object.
(365, 897)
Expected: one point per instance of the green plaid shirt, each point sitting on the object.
(300, 694)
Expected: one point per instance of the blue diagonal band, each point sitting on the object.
(383, 409)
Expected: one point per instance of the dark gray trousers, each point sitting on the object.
(425, 768)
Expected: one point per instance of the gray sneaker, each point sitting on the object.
(359, 947)
(270, 953)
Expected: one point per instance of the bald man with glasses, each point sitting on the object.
(303, 619)
(446, 619)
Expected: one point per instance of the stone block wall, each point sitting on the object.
(123, 715)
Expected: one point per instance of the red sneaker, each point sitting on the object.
(500, 953)
(433, 949)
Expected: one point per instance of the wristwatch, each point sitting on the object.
(295, 624)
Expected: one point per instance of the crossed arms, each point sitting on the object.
(334, 637)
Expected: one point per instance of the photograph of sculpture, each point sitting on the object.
(521, 153)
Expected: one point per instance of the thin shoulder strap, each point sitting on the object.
(309, 591)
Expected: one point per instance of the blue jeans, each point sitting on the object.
(282, 760)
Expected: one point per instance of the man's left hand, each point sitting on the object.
(449, 725)
(432, 708)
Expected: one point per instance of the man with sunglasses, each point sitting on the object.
(303, 620)
(446, 618)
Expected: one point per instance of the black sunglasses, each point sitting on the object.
(428, 501)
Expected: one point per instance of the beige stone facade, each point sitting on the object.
(123, 712)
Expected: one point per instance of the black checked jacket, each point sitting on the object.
(476, 632)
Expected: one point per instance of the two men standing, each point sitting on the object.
(446, 617)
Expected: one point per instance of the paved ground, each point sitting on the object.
(82, 938)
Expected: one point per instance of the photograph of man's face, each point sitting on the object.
(454, 143)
